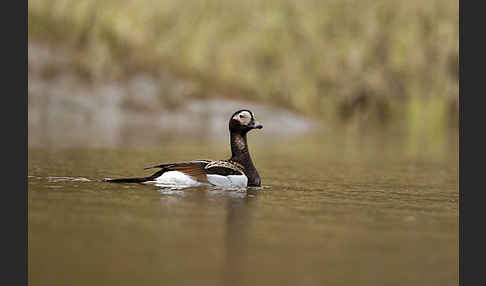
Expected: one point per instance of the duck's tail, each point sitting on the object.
(135, 180)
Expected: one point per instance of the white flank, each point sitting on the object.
(177, 178)
(228, 181)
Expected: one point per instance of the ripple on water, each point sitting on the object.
(68, 179)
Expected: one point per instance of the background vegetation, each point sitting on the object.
(345, 61)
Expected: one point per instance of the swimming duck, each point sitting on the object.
(238, 171)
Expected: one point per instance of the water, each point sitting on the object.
(333, 210)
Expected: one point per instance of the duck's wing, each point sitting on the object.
(204, 167)
(174, 166)
(195, 169)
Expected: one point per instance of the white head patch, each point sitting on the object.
(243, 117)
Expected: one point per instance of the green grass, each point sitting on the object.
(340, 60)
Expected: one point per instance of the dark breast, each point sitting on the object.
(253, 178)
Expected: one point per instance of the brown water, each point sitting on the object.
(333, 210)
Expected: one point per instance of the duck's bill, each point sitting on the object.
(255, 125)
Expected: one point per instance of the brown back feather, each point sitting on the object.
(194, 170)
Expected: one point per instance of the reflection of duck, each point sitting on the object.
(238, 171)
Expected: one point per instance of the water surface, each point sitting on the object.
(373, 210)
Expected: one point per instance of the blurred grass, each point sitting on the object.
(341, 60)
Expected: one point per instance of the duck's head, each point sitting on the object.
(243, 121)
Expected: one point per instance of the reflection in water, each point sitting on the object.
(236, 241)
(237, 204)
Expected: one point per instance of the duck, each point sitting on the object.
(237, 171)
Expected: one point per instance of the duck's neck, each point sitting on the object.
(240, 154)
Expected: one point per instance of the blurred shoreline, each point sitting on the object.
(103, 73)
(349, 62)
(65, 110)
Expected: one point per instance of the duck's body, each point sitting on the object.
(201, 172)
(238, 171)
